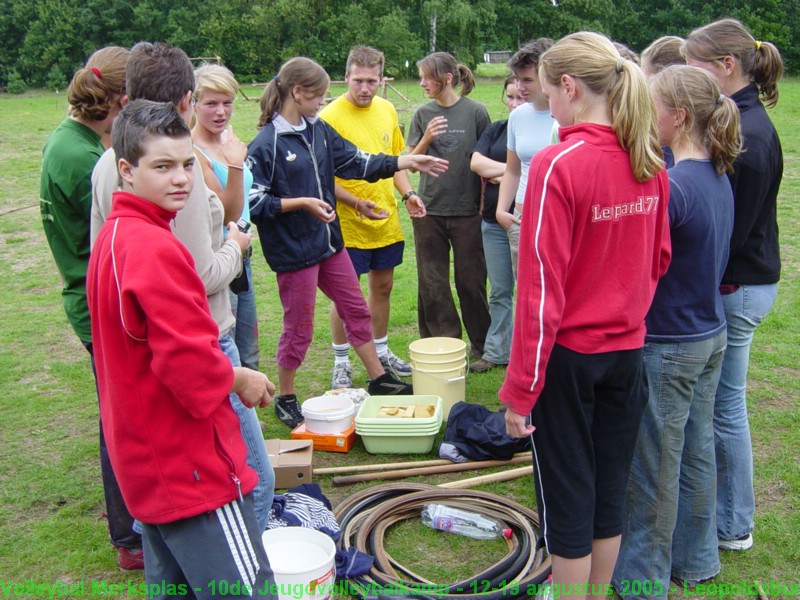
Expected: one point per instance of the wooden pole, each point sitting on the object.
(397, 465)
(403, 473)
(491, 478)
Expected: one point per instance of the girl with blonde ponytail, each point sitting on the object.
(593, 244)
(747, 71)
(673, 464)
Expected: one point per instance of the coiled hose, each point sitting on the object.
(365, 516)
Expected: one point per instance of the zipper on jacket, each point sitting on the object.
(236, 481)
(316, 174)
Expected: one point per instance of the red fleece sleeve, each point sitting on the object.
(544, 258)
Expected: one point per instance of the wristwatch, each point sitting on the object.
(408, 195)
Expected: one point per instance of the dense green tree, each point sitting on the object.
(254, 37)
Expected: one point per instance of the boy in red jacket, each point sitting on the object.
(172, 435)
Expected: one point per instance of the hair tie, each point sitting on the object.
(277, 81)
(720, 99)
(758, 45)
(96, 71)
(618, 66)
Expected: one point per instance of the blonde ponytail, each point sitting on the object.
(592, 59)
(712, 119)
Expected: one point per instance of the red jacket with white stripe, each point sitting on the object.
(593, 244)
(172, 435)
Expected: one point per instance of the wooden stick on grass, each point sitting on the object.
(491, 478)
(451, 468)
(396, 465)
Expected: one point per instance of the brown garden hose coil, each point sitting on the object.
(367, 515)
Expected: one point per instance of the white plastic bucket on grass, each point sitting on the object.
(438, 349)
(328, 414)
(450, 384)
(302, 560)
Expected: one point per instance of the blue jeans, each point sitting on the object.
(245, 332)
(744, 310)
(501, 296)
(257, 457)
(669, 519)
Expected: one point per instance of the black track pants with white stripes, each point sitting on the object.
(217, 554)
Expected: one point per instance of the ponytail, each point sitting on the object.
(467, 79)
(712, 119)
(297, 71)
(271, 102)
(592, 59)
(439, 64)
(760, 61)
(91, 93)
(767, 71)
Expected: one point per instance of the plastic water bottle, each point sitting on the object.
(470, 524)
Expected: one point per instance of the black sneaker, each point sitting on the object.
(386, 385)
(288, 410)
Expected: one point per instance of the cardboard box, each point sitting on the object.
(291, 460)
(329, 442)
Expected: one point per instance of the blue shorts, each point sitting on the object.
(376, 259)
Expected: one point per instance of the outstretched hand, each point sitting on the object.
(432, 165)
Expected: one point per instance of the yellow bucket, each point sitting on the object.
(449, 383)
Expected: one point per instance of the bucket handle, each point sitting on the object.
(454, 379)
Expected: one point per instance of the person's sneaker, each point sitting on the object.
(342, 376)
(130, 560)
(482, 365)
(742, 543)
(395, 365)
(386, 385)
(288, 410)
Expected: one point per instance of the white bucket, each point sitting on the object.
(439, 349)
(303, 562)
(328, 414)
(450, 384)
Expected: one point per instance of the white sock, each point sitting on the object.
(341, 353)
(382, 346)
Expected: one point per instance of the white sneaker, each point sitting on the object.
(342, 376)
(395, 364)
(742, 543)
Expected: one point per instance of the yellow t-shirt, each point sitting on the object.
(373, 129)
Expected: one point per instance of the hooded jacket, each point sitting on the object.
(286, 165)
(172, 435)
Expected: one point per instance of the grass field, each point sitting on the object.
(51, 524)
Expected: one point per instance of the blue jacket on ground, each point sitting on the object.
(285, 164)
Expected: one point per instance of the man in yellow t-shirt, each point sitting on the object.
(368, 212)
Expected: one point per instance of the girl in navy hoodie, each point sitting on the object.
(294, 158)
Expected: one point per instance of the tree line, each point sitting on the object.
(42, 42)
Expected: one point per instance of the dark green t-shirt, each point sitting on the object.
(65, 201)
(457, 192)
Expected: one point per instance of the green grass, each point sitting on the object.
(51, 524)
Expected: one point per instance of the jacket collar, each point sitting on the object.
(747, 97)
(283, 126)
(125, 204)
